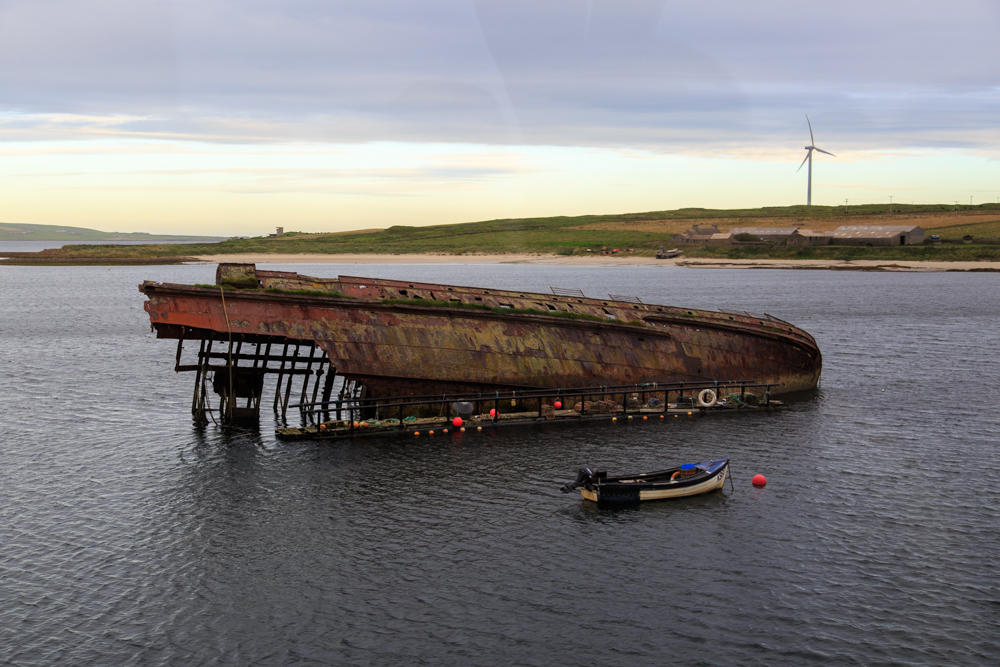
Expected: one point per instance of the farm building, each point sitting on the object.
(697, 234)
(806, 237)
(766, 234)
(878, 235)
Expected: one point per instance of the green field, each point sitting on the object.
(644, 232)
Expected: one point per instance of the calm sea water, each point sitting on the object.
(127, 536)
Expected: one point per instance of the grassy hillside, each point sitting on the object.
(979, 230)
(561, 235)
(11, 231)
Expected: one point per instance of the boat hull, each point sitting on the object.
(399, 348)
(638, 492)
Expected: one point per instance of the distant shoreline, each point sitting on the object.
(596, 260)
(605, 260)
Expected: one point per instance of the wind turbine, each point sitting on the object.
(809, 158)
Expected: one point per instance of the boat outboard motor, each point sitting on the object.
(585, 475)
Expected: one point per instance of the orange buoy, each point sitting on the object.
(457, 421)
(479, 428)
(322, 427)
(416, 433)
(430, 432)
(614, 419)
(690, 413)
(444, 430)
(462, 429)
(661, 416)
(644, 418)
(557, 405)
(759, 481)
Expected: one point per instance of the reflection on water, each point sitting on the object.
(128, 535)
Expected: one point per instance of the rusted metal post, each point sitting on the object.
(319, 374)
(288, 387)
(277, 385)
(180, 348)
(256, 359)
(197, 378)
(331, 374)
(305, 382)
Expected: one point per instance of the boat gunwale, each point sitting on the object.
(694, 480)
(803, 340)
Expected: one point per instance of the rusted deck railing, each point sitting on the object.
(484, 408)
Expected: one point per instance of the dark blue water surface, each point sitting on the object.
(127, 536)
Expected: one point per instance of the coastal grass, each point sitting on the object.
(274, 290)
(989, 229)
(914, 253)
(566, 236)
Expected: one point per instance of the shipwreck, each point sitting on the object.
(376, 338)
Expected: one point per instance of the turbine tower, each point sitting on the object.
(809, 158)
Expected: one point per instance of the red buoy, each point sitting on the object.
(557, 405)
(493, 412)
(456, 422)
(759, 481)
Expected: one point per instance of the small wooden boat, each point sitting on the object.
(689, 479)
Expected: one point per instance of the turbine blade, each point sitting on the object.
(808, 153)
(823, 151)
(811, 139)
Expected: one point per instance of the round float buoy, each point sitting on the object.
(462, 429)
(457, 421)
(364, 424)
(759, 481)
(644, 418)
(479, 428)
(676, 416)
(707, 398)
(614, 419)
(430, 432)
(493, 412)
(690, 413)
(630, 417)
(416, 433)
(357, 425)
(322, 427)
(557, 405)
(444, 430)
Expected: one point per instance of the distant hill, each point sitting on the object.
(642, 232)
(16, 231)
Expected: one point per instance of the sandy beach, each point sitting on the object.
(604, 260)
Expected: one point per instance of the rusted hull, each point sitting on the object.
(400, 349)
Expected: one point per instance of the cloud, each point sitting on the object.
(719, 76)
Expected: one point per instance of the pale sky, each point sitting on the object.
(220, 117)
